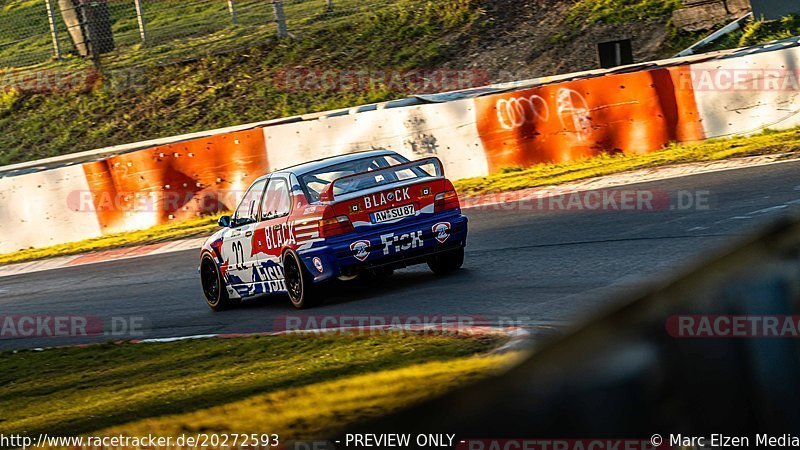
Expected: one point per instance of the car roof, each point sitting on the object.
(301, 169)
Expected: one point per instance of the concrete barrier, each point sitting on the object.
(172, 182)
(446, 130)
(635, 109)
(35, 211)
(748, 94)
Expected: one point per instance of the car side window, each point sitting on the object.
(247, 211)
(276, 202)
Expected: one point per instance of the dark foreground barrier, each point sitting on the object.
(714, 351)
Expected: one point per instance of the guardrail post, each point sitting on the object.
(232, 11)
(140, 20)
(280, 19)
(53, 32)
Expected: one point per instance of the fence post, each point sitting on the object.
(232, 10)
(280, 19)
(329, 6)
(53, 32)
(140, 19)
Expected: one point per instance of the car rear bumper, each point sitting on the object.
(393, 247)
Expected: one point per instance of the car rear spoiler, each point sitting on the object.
(327, 195)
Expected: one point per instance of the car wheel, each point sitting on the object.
(299, 284)
(447, 262)
(213, 285)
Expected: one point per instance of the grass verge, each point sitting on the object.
(296, 386)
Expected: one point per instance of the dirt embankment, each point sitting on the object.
(528, 39)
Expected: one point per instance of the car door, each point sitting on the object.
(237, 245)
(272, 234)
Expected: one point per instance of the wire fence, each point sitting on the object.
(37, 33)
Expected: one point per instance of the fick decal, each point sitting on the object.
(361, 250)
(405, 241)
(440, 231)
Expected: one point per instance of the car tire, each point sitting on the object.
(303, 293)
(213, 286)
(447, 262)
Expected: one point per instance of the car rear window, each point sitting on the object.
(314, 182)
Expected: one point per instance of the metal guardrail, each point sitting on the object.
(727, 29)
(624, 375)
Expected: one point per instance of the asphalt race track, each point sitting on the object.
(541, 268)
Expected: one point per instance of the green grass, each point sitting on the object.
(318, 410)
(292, 385)
(145, 100)
(587, 12)
(769, 142)
(760, 32)
(174, 30)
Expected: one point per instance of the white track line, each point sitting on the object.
(520, 338)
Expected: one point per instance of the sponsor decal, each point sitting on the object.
(268, 277)
(405, 241)
(270, 240)
(440, 230)
(318, 264)
(383, 198)
(361, 250)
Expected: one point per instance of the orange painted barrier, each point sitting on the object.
(636, 112)
(176, 181)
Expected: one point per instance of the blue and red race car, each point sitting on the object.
(336, 218)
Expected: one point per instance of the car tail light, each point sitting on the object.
(335, 226)
(446, 200)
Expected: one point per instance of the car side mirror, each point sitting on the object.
(224, 221)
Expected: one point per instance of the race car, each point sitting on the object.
(362, 214)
